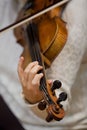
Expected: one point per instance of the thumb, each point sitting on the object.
(50, 82)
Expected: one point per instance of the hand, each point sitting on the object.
(30, 80)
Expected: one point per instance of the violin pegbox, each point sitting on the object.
(53, 104)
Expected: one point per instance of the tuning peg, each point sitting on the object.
(42, 105)
(62, 97)
(56, 85)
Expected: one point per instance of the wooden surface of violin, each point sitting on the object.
(52, 32)
(52, 36)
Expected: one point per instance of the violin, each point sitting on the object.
(49, 22)
(42, 39)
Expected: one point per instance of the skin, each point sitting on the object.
(30, 80)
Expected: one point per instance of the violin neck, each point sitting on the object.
(34, 48)
(33, 41)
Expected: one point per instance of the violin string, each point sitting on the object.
(37, 54)
(27, 19)
(34, 48)
(37, 57)
(43, 81)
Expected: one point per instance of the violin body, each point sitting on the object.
(52, 36)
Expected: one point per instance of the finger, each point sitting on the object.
(36, 69)
(20, 67)
(36, 80)
(30, 66)
(50, 82)
(28, 69)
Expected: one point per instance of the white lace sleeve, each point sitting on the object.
(66, 65)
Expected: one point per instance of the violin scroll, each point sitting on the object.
(54, 109)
